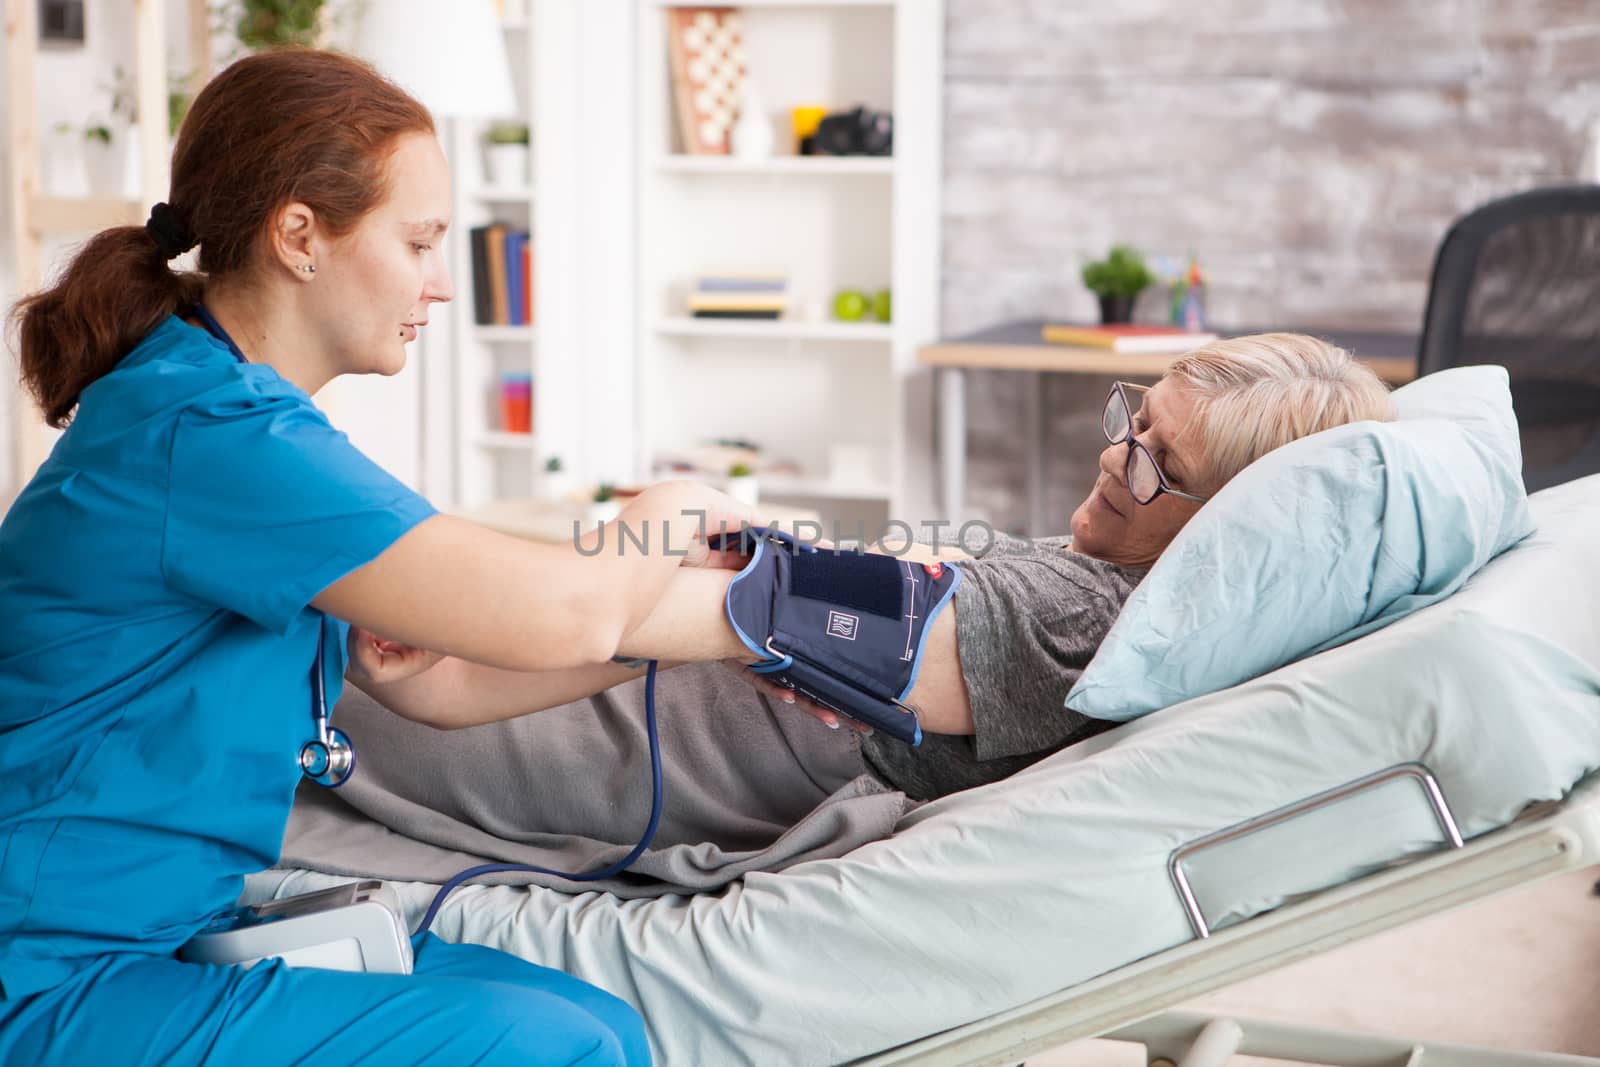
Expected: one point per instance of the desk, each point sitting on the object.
(1019, 346)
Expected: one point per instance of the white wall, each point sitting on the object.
(381, 416)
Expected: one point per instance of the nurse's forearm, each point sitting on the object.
(469, 592)
(687, 624)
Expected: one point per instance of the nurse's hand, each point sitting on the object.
(693, 509)
(379, 661)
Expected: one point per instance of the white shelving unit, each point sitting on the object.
(489, 463)
(806, 165)
(578, 206)
(806, 388)
(778, 330)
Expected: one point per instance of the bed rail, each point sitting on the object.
(1558, 837)
(1415, 771)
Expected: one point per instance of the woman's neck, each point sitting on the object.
(268, 329)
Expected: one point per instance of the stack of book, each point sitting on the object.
(747, 296)
(502, 276)
(1128, 337)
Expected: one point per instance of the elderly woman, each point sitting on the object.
(1024, 624)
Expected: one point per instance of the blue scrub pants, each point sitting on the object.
(464, 1004)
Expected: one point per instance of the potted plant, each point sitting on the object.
(1117, 280)
(111, 146)
(556, 485)
(743, 485)
(506, 153)
(603, 506)
(263, 24)
(98, 158)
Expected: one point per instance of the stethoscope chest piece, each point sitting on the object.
(328, 758)
(328, 761)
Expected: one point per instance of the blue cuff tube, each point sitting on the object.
(845, 629)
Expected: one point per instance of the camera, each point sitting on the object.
(858, 132)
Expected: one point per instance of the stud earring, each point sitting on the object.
(309, 268)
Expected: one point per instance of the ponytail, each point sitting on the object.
(115, 291)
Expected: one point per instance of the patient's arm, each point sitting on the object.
(940, 695)
(689, 623)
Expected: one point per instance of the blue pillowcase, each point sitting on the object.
(1319, 542)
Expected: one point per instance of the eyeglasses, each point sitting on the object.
(1145, 479)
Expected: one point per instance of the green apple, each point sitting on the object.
(850, 305)
(883, 305)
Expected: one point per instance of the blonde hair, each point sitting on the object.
(1254, 394)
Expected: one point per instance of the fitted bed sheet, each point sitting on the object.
(987, 899)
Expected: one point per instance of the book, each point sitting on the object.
(737, 302)
(527, 279)
(498, 293)
(737, 313)
(1128, 337)
(482, 304)
(517, 314)
(741, 284)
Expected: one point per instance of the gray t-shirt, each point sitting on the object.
(1029, 617)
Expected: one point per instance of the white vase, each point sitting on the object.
(752, 134)
(555, 486)
(745, 488)
(508, 165)
(106, 165)
(600, 511)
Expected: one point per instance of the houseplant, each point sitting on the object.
(743, 485)
(603, 506)
(1117, 280)
(506, 153)
(111, 145)
(556, 485)
(263, 24)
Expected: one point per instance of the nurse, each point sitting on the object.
(198, 534)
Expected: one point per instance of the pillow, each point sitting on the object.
(1319, 542)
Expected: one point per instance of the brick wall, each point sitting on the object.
(1312, 152)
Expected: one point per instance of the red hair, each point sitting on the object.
(285, 126)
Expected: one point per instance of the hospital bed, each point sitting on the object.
(1442, 759)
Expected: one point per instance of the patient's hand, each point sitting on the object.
(378, 660)
(827, 716)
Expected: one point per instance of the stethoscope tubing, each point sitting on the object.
(619, 866)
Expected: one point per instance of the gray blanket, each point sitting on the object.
(749, 786)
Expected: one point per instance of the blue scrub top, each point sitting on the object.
(156, 647)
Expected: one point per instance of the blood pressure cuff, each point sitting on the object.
(844, 628)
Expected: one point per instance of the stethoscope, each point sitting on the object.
(329, 758)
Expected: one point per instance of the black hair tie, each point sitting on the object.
(167, 232)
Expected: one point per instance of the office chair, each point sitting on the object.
(1517, 282)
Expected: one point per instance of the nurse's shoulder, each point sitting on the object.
(177, 370)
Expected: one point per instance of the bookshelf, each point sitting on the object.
(487, 461)
(809, 389)
(577, 205)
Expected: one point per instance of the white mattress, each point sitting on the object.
(991, 898)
